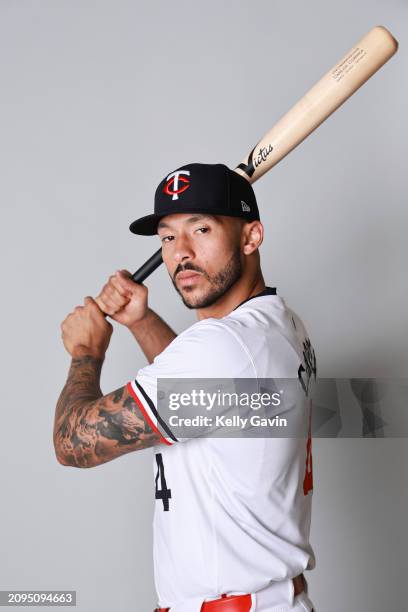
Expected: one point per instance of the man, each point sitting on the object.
(232, 516)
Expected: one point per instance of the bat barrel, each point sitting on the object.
(333, 89)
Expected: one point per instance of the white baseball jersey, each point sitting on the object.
(232, 514)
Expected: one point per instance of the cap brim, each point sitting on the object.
(146, 226)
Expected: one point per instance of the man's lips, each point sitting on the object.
(187, 276)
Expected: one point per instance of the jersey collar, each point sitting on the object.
(266, 291)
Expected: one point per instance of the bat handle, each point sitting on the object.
(148, 267)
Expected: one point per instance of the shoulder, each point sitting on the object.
(273, 333)
(258, 322)
(208, 348)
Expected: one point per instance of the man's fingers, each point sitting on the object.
(137, 290)
(123, 278)
(117, 292)
(113, 299)
(125, 273)
(100, 303)
(90, 303)
(120, 286)
(106, 308)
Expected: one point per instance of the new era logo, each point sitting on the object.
(245, 206)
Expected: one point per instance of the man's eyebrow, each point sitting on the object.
(189, 220)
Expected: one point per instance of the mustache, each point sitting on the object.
(185, 267)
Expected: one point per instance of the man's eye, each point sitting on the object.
(166, 238)
(202, 229)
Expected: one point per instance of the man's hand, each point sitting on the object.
(123, 300)
(85, 331)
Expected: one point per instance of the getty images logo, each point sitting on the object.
(245, 207)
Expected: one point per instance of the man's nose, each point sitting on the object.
(182, 250)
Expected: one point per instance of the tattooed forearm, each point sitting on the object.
(90, 428)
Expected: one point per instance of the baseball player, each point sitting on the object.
(232, 515)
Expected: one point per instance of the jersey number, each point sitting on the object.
(163, 492)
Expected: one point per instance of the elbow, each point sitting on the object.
(65, 459)
(71, 460)
(59, 454)
(58, 450)
(61, 459)
(70, 454)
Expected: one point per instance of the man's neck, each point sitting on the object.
(242, 290)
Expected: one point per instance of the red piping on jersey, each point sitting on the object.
(145, 414)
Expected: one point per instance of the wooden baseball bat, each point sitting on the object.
(333, 89)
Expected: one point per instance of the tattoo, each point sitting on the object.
(91, 428)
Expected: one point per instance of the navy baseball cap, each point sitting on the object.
(211, 189)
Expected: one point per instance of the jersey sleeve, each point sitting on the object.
(206, 350)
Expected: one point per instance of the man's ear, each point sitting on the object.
(252, 237)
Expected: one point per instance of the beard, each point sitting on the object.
(220, 283)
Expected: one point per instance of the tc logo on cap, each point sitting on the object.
(172, 186)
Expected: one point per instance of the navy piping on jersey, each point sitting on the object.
(266, 291)
(156, 414)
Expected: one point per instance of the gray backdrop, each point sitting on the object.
(99, 99)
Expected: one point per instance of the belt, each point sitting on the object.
(238, 603)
